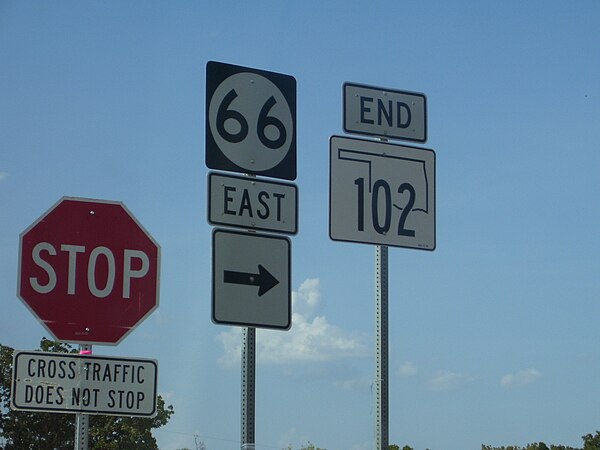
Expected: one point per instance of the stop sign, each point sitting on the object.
(88, 271)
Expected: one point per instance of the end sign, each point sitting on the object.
(387, 113)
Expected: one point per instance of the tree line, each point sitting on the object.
(590, 442)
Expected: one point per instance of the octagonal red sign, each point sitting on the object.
(88, 271)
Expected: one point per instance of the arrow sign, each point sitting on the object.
(263, 279)
(244, 292)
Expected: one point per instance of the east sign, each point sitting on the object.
(88, 271)
(252, 204)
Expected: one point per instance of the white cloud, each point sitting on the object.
(308, 297)
(311, 339)
(520, 378)
(408, 369)
(445, 380)
(363, 446)
(232, 347)
(354, 384)
(3, 175)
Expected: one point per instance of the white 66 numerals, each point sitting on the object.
(250, 121)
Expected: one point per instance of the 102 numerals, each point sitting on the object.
(383, 222)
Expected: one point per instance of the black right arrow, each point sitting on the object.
(263, 279)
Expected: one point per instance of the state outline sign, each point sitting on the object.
(381, 193)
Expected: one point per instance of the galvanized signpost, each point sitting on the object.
(251, 129)
(82, 421)
(383, 194)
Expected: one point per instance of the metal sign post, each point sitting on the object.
(81, 431)
(82, 421)
(248, 386)
(381, 348)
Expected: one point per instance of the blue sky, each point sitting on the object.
(493, 336)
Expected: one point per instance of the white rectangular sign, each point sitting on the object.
(252, 204)
(71, 383)
(251, 280)
(381, 193)
(387, 113)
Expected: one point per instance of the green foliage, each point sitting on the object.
(51, 431)
(591, 442)
(311, 446)
(308, 446)
(537, 446)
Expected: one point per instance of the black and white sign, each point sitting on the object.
(251, 280)
(381, 193)
(387, 113)
(71, 383)
(250, 121)
(246, 202)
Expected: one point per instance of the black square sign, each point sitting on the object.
(250, 121)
